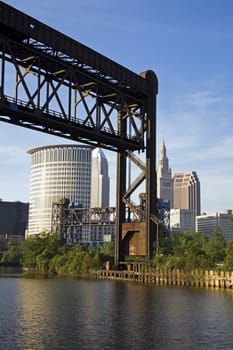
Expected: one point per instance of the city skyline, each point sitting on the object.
(187, 45)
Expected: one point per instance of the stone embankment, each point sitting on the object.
(198, 278)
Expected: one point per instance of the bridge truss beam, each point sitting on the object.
(66, 89)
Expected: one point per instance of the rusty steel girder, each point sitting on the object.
(54, 84)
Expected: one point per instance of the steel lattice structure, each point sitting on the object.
(67, 216)
(66, 89)
(69, 220)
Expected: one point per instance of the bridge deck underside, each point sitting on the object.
(64, 69)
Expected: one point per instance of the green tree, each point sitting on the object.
(184, 250)
(108, 250)
(38, 250)
(165, 246)
(228, 263)
(215, 248)
(13, 256)
(190, 250)
(75, 260)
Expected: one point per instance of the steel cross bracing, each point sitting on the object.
(73, 216)
(54, 84)
(70, 220)
(65, 88)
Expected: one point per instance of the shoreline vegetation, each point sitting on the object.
(187, 258)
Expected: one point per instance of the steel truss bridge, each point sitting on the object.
(70, 220)
(64, 215)
(54, 84)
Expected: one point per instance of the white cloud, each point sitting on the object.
(201, 100)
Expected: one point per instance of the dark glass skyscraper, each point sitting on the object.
(13, 218)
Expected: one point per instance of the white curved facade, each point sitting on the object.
(59, 171)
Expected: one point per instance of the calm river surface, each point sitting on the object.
(56, 313)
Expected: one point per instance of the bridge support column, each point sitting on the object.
(120, 206)
(151, 178)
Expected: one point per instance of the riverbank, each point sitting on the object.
(137, 272)
(195, 278)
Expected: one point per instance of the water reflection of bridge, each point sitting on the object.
(66, 89)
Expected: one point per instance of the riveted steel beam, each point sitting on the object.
(66, 89)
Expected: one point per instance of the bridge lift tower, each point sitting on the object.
(54, 84)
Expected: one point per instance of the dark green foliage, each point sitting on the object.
(165, 246)
(191, 250)
(47, 253)
(13, 256)
(75, 260)
(39, 250)
(108, 250)
(215, 248)
(228, 263)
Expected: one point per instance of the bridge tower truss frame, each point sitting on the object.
(66, 89)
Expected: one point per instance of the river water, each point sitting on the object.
(65, 313)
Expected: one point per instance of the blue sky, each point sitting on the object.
(188, 44)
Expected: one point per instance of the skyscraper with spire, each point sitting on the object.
(164, 177)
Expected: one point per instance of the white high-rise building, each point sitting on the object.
(99, 179)
(100, 194)
(207, 224)
(182, 220)
(75, 172)
(164, 177)
(59, 171)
